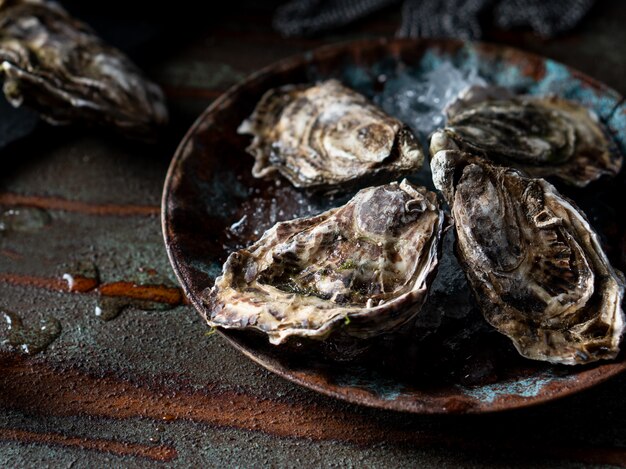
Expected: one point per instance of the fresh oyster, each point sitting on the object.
(323, 135)
(56, 65)
(544, 136)
(533, 261)
(363, 269)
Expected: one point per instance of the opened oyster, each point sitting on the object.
(323, 135)
(533, 261)
(363, 268)
(56, 65)
(544, 136)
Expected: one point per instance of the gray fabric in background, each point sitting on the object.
(307, 17)
(435, 18)
(546, 17)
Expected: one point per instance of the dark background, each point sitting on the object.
(149, 387)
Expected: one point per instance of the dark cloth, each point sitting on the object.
(435, 18)
(547, 18)
(306, 17)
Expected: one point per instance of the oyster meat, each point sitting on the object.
(323, 135)
(361, 269)
(56, 65)
(544, 136)
(534, 263)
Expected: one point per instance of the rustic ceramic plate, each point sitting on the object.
(212, 206)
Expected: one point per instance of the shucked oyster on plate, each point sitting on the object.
(544, 136)
(56, 65)
(319, 136)
(533, 261)
(363, 268)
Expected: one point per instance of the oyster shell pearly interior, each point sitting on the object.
(326, 134)
(57, 65)
(534, 263)
(362, 269)
(544, 136)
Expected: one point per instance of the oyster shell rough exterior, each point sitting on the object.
(544, 136)
(363, 268)
(326, 134)
(56, 65)
(534, 263)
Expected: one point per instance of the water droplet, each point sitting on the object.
(81, 276)
(30, 340)
(24, 219)
(110, 308)
(149, 291)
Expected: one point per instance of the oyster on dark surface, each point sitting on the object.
(323, 135)
(534, 263)
(56, 65)
(544, 136)
(363, 268)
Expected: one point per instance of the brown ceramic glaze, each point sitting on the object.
(209, 191)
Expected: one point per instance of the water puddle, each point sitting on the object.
(30, 340)
(108, 307)
(147, 291)
(23, 219)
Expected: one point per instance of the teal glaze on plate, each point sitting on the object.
(559, 80)
(556, 79)
(617, 123)
(539, 77)
(213, 269)
(210, 190)
(526, 387)
(380, 386)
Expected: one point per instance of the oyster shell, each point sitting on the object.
(534, 263)
(544, 136)
(363, 269)
(56, 65)
(326, 134)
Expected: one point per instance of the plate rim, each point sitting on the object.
(594, 376)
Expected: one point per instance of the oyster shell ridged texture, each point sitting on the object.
(544, 136)
(56, 65)
(363, 268)
(324, 135)
(533, 261)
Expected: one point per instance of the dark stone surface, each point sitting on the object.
(150, 385)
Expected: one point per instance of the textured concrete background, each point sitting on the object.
(150, 386)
